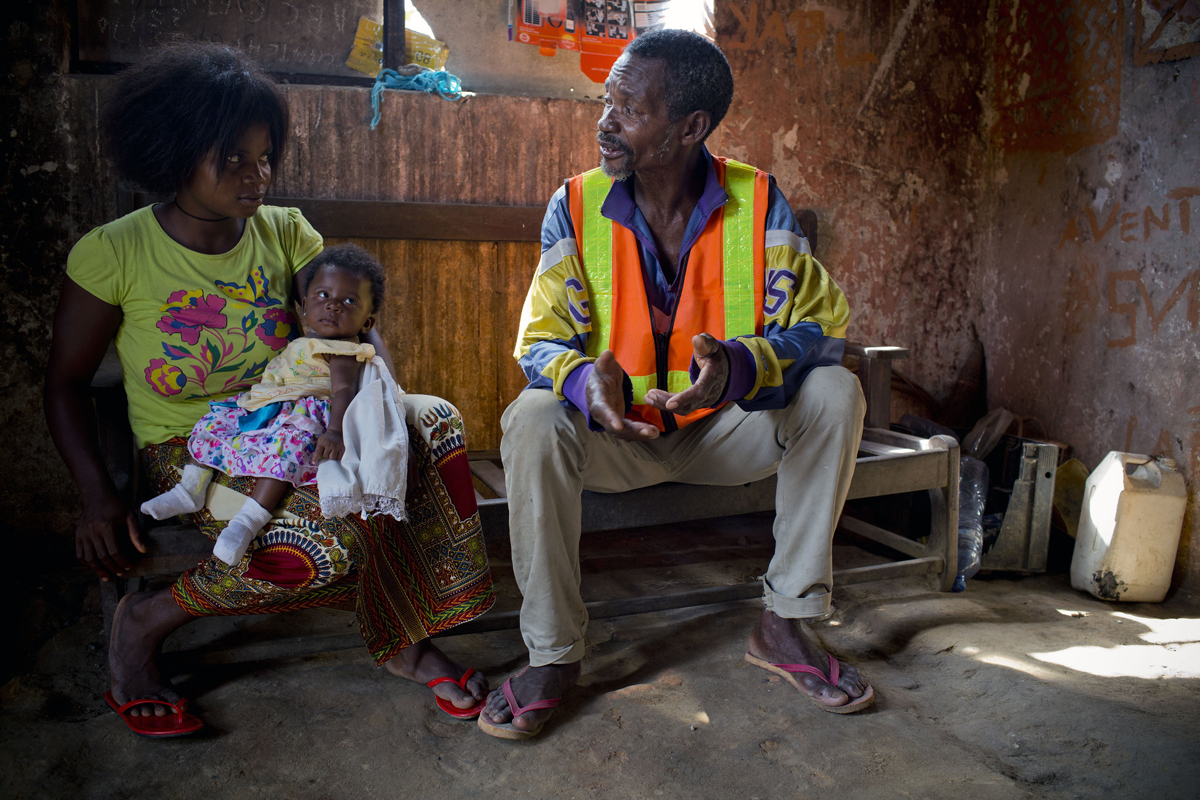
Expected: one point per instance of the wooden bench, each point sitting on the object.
(888, 463)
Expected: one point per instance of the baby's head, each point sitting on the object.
(343, 289)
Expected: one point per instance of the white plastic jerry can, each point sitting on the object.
(1129, 529)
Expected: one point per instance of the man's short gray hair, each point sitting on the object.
(698, 77)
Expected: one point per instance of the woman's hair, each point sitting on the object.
(352, 259)
(187, 100)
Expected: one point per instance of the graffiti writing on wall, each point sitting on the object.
(1058, 74)
(801, 31)
(1128, 224)
(1124, 291)
(1167, 444)
(1189, 286)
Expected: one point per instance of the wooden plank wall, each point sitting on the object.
(451, 322)
(453, 307)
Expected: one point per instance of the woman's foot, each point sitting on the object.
(423, 662)
(141, 623)
(529, 686)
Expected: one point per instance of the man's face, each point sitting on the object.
(634, 132)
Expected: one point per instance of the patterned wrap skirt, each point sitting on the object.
(405, 581)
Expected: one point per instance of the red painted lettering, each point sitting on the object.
(1129, 309)
(810, 30)
(845, 60)
(1149, 217)
(1071, 234)
(1128, 223)
(1097, 231)
(749, 25)
(773, 29)
(1185, 208)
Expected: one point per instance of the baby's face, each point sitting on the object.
(338, 304)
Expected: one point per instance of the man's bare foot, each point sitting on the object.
(423, 661)
(789, 641)
(529, 686)
(141, 623)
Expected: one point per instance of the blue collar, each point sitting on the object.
(620, 207)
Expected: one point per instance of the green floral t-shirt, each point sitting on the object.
(196, 327)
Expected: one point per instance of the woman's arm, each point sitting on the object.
(373, 338)
(83, 327)
(343, 375)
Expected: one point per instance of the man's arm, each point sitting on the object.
(805, 318)
(555, 325)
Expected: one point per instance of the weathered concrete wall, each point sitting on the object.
(869, 114)
(49, 197)
(1090, 281)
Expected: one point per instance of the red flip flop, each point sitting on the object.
(450, 708)
(178, 724)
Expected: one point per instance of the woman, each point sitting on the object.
(198, 293)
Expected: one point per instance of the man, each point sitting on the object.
(677, 329)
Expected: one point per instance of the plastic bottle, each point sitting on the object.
(1129, 528)
(972, 495)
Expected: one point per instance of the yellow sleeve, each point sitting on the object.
(301, 241)
(93, 264)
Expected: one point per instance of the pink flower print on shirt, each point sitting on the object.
(166, 379)
(277, 329)
(189, 312)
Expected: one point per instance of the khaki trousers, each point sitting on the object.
(550, 456)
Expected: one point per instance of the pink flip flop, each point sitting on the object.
(177, 724)
(450, 708)
(507, 730)
(786, 671)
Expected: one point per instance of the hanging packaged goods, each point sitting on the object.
(598, 29)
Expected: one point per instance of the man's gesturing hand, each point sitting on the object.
(606, 401)
(710, 383)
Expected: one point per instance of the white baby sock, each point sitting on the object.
(185, 497)
(240, 532)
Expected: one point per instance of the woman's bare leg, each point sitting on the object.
(143, 620)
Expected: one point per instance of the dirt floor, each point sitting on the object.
(1020, 687)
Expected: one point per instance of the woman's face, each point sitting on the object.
(238, 190)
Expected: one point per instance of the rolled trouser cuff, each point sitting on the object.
(814, 606)
(560, 655)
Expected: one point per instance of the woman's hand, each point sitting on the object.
(103, 523)
(330, 446)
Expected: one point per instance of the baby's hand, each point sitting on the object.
(330, 446)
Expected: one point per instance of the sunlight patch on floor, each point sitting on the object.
(1033, 670)
(1165, 631)
(1130, 661)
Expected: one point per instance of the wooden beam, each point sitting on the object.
(392, 219)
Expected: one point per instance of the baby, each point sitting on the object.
(292, 418)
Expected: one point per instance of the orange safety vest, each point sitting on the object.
(721, 293)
